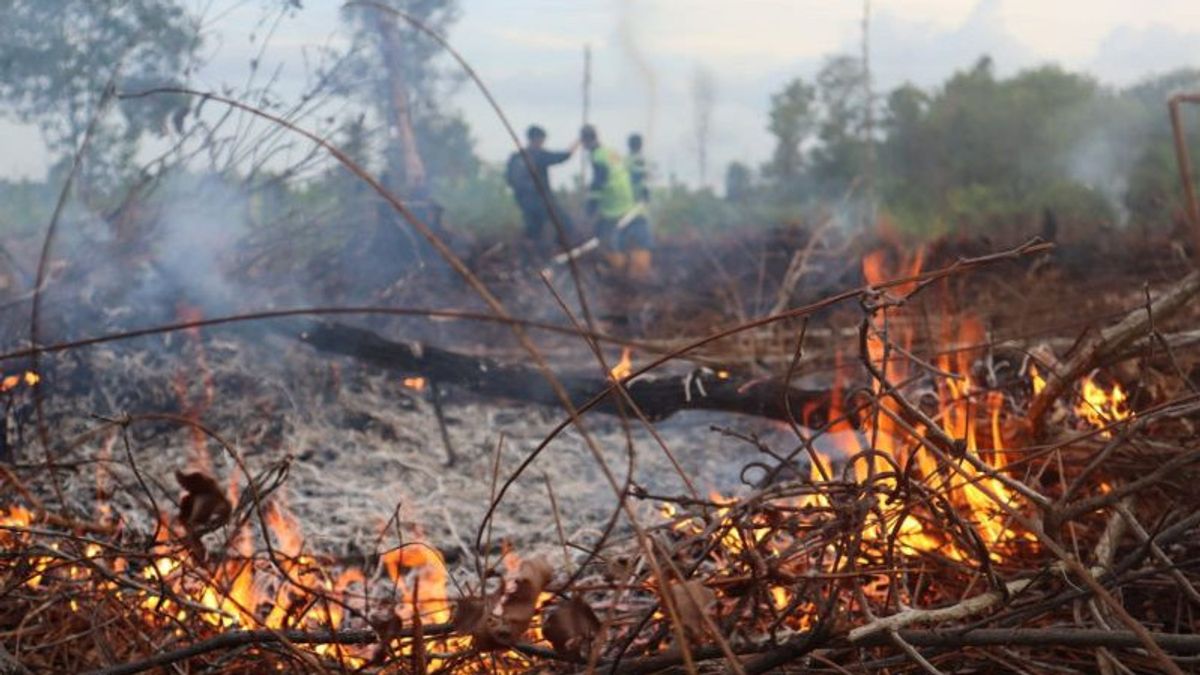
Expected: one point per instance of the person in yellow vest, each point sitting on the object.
(621, 228)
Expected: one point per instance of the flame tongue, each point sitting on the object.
(27, 378)
(624, 367)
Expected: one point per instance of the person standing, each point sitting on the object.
(622, 230)
(532, 190)
(638, 171)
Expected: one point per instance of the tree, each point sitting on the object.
(839, 158)
(1153, 196)
(395, 70)
(57, 56)
(791, 123)
(904, 155)
(739, 182)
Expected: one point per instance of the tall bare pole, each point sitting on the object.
(1192, 206)
(587, 104)
(869, 121)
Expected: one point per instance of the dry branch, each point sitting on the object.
(963, 610)
(241, 638)
(1040, 637)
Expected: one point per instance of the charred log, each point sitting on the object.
(658, 397)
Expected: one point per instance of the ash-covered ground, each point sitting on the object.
(362, 443)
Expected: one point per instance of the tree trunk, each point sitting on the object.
(657, 397)
(403, 156)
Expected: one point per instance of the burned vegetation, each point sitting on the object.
(812, 447)
(898, 504)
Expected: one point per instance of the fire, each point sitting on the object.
(1096, 406)
(1100, 408)
(624, 367)
(10, 382)
(882, 447)
(415, 383)
(428, 596)
(246, 591)
(13, 517)
(1035, 379)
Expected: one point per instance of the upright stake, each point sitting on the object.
(869, 121)
(1185, 166)
(587, 104)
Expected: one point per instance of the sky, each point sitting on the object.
(648, 55)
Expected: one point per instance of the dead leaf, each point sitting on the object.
(508, 619)
(204, 506)
(571, 626)
(693, 601)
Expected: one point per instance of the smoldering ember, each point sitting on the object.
(439, 336)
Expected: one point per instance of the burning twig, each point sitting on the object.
(1108, 342)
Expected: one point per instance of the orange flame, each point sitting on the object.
(10, 382)
(1100, 408)
(624, 367)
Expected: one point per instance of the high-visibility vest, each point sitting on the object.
(615, 197)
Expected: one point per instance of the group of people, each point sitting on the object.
(616, 198)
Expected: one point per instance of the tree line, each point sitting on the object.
(976, 153)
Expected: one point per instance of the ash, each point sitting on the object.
(363, 447)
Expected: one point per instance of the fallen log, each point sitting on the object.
(657, 396)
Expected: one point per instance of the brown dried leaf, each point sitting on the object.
(571, 627)
(693, 600)
(204, 506)
(505, 623)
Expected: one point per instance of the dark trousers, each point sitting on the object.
(537, 218)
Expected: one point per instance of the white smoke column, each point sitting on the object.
(202, 221)
(1102, 160)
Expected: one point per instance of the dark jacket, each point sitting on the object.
(517, 173)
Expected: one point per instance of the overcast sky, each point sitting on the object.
(647, 53)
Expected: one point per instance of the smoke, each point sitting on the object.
(1101, 161)
(1114, 134)
(201, 222)
(627, 39)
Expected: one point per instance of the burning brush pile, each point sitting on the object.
(952, 504)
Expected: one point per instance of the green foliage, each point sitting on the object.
(677, 208)
(57, 56)
(443, 138)
(840, 155)
(792, 120)
(480, 204)
(980, 153)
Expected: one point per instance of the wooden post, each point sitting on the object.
(587, 104)
(1185, 167)
(869, 122)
